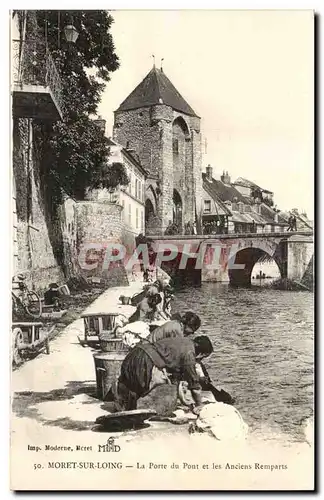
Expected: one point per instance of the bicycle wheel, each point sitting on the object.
(18, 308)
(17, 340)
(33, 305)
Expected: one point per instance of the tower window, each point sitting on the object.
(175, 146)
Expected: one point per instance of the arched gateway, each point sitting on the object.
(177, 209)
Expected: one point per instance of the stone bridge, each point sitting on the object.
(231, 257)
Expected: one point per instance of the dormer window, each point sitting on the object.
(241, 207)
(207, 206)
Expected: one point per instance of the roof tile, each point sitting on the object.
(225, 192)
(156, 88)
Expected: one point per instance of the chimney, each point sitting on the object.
(225, 178)
(209, 173)
(101, 123)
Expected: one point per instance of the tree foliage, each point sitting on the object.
(75, 149)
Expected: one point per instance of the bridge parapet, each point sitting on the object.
(231, 236)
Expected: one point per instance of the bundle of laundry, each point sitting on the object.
(132, 333)
(222, 421)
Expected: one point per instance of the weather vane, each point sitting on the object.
(153, 60)
(162, 62)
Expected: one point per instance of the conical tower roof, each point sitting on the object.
(156, 88)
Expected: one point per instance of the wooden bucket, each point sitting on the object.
(107, 365)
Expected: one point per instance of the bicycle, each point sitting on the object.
(28, 301)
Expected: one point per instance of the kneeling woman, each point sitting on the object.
(148, 366)
(147, 310)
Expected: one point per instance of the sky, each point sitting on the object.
(248, 74)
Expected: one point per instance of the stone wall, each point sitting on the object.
(215, 263)
(136, 129)
(98, 222)
(88, 227)
(180, 158)
(197, 177)
(68, 224)
(35, 252)
(154, 226)
(300, 257)
(165, 211)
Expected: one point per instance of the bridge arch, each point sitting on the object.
(245, 258)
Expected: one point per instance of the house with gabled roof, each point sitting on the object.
(251, 190)
(228, 209)
(130, 197)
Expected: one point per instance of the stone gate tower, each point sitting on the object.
(160, 127)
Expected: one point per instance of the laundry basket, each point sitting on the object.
(112, 344)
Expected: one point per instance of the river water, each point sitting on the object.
(263, 352)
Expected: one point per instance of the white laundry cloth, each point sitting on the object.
(132, 333)
(223, 421)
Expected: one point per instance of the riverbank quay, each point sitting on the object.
(54, 436)
(55, 367)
